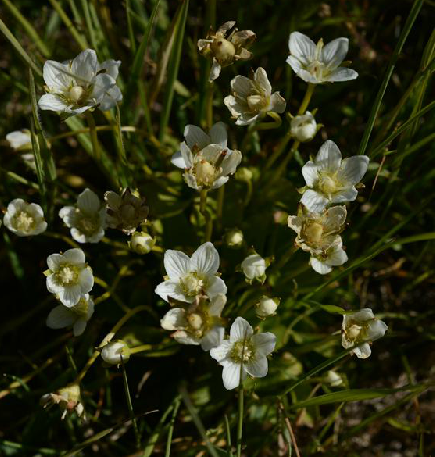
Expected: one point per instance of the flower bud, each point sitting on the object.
(244, 174)
(254, 267)
(304, 127)
(141, 242)
(234, 238)
(112, 352)
(267, 307)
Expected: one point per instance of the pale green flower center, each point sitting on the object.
(328, 184)
(81, 309)
(24, 222)
(317, 68)
(257, 102)
(67, 275)
(87, 224)
(192, 284)
(242, 351)
(75, 93)
(223, 50)
(205, 173)
(314, 232)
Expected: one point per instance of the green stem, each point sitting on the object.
(209, 106)
(228, 432)
(171, 427)
(240, 422)
(130, 405)
(202, 201)
(141, 348)
(94, 137)
(307, 98)
(220, 207)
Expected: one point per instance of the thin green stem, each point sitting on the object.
(130, 405)
(240, 422)
(307, 98)
(202, 201)
(220, 207)
(209, 106)
(171, 427)
(94, 138)
(228, 432)
(141, 348)
(288, 157)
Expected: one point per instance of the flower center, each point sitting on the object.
(24, 222)
(223, 50)
(328, 184)
(76, 93)
(67, 275)
(192, 284)
(205, 173)
(86, 224)
(354, 332)
(314, 232)
(81, 309)
(242, 351)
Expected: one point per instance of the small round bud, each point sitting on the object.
(266, 307)
(234, 238)
(141, 242)
(254, 267)
(243, 174)
(112, 352)
(304, 127)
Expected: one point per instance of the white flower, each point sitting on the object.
(360, 329)
(80, 84)
(68, 399)
(20, 139)
(234, 238)
(254, 267)
(333, 378)
(244, 353)
(252, 98)
(226, 49)
(24, 219)
(112, 352)
(318, 64)
(330, 179)
(266, 307)
(192, 276)
(332, 256)
(87, 219)
(206, 159)
(69, 277)
(198, 323)
(303, 127)
(141, 242)
(76, 317)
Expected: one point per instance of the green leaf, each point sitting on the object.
(333, 309)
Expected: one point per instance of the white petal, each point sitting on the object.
(328, 157)
(264, 343)
(257, 368)
(79, 327)
(212, 152)
(175, 319)
(295, 223)
(301, 47)
(111, 67)
(215, 71)
(75, 256)
(335, 218)
(213, 338)
(261, 79)
(52, 102)
(111, 97)
(335, 52)
(170, 289)
(218, 134)
(336, 257)
(240, 330)
(310, 173)
(319, 266)
(18, 138)
(220, 182)
(205, 259)
(176, 264)
(241, 86)
(85, 66)
(70, 296)
(54, 261)
(88, 201)
(277, 103)
(196, 136)
(215, 287)
(220, 352)
(86, 280)
(353, 169)
(60, 317)
(183, 338)
(314, 201)
(231, 375)
(186, 154)
(297, 67)
(217, 305)
(231, 162)
(377, 330)
(363, 351)
(346, 195)
(362, 316)
(247, 118)
(342, 74)
(57, 76)
(178, 161)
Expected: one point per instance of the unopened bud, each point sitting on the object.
(112, 352)
(267, 307)
(234, 238)
(141, 242)
(304, 127)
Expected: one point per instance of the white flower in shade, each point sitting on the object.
(112, 352)
(303, 127)
(234, 238)
(198, 323)
(318, 231)
(318, 64)
(333, 256)
(20, 139)
(76, 317)
(244, 353)
(69, 277)
(331, 180)
(266, 307)
(333, 379)
(226, 49)
(252, 98)
(24, 219)
(80, 84)
(192, 276)
(360, 329)
(206, 159)
(87, 219)
(141, 242)
(254, 267)
(68, 399)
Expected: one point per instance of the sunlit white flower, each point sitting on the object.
(206, 159)
(252, 98)
(197, 323)
(87, 219)
(360, 329)
(303, 127)
(76, 317)
(254, 267)
(69, 277)
(243, 353)
(331, 180)
(20, 139)
(68, 399)
(318, 64)
(80, 84)
(126, 211)
(112, 352)
(266, 307)
(192, 276)
(226, 49)
(141, 242)
(333, 256)
(24, 219)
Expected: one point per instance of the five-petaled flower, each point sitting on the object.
(360, 329)
(226, 49)
(24, 219)
(318, 64)
(251, 99)
(206, 159)
(330, 180)
(243, 353)
(197, 323)
(80, 84)
(192, 276)
(69, 277)
(67, 398)
(87, 219)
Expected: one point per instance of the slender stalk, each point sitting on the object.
(220, 207)
(209, 109)
(130, 405)
(202, 201)
(240, 422)
(307, 98)
(228, 432)
(94, 138)
(141, 348)
(288, 157)
(171, 427)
